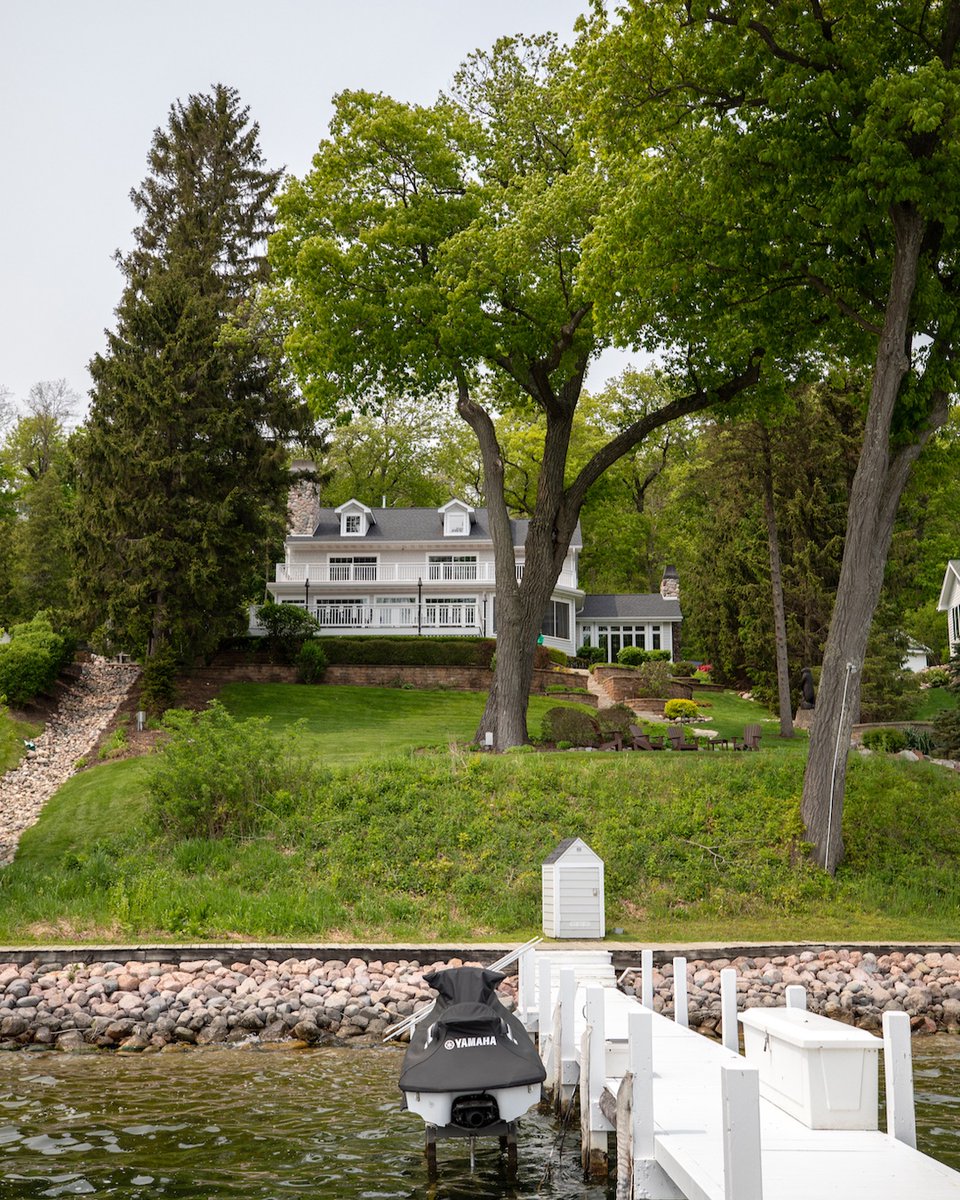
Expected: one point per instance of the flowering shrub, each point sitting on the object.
(681, 710)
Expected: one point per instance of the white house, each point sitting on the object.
(950, 603)
(361, 570)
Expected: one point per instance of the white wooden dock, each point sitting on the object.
(692, 1119)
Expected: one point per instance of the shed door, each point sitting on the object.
(581, 901)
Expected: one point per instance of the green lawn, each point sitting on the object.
(12, 736)
(446, 844)
(934, 701)
(349, 724)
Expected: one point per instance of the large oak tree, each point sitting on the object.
(790, 178)
(436, 250)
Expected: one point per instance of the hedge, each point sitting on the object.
(32, 660)
(408, 651)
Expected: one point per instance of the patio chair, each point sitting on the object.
(616, 743)
(642, 741)
(750, 739)
(678, 740)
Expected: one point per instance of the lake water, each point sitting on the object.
(270, 1125)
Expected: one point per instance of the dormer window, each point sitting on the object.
(456, 518)
(355, 519)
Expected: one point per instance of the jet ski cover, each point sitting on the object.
(470, 1042)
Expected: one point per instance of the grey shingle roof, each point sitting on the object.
(640, 606)
(418, 525)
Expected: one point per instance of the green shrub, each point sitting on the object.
(616, 719)
(946, 734)
(218, 776)
(892, 741)
(413, 651)
(653, 679)
(681, 710)
(684, 668)
(564, 745)
(288, 626)
(633, 656)
(311, 662)
(920, 740)
(116, 745)
(934, 677)
(592, 654)
(571, 725)
(31, 661)
(556, 656)
(158, 681)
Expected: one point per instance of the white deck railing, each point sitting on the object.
(396, 616)
(409, 573)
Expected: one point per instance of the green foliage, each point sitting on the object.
(218, 776)
(572, 725)
(31, 661)
(592, 654)
(158, 688)
(946, 734)
(287, 627)
(681, 710)
(181, 468)
(13, 735)
(116, 744)
(633, 656)
(892, 741)
(920, 740)
(684, 668)
(617, 718)
(311, 663)
(556, 656)
(934, 677)
(653, 679)
(410, 651)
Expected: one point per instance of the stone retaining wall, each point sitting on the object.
(467, 679)
(148, 1005)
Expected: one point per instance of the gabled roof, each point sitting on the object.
(951, 581)
(417, 525)
(567, 846)
(639, 606)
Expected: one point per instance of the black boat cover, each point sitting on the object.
(469, 1043)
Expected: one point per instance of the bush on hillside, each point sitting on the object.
(217, 776)
(556, 656)
(681, 710)
(31, 661)
(592, 654)
(158, 687)
(616, 719)
(653, 679)
(311, 662)
(288, 626)
(946, 734)
(571, 725)
(890, 741)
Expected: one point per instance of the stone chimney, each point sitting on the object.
(303, 499)
(670, 584)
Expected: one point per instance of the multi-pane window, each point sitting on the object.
(556, 621)
(351, 523)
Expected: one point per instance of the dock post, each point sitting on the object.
(740, 1092)
(430, 1151)
(898, 1078)
(545, 1042)
(681, 1007)
(650, 1181)
(796, 995)
(729, 1029)
(528, 984)
(566, 1040)
(594, 1126)
(646, 978)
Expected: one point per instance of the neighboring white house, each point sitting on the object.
(950, 603)
(362, 570)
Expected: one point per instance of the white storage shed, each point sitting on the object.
(573, 892)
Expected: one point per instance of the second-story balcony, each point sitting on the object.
(408, 573)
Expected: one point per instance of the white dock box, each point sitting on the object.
(819, 1071)
(573, 892)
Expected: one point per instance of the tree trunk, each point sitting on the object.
(776, 587)
(877, 486)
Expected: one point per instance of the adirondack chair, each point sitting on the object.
(678, 740)
(642, 741)
(615, 743)
(750, 739)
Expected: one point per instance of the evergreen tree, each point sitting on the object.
(181, 466)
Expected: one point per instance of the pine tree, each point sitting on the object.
(181, 467)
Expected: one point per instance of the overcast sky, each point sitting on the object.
(84, 83)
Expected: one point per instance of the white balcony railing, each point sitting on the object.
(433, 615)
(322, 573)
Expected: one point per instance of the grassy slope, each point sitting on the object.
(449, 844)
(12, 735)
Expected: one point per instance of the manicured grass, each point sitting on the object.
(12, 736)
(349, 724)
(447, 844)
(934, 701)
